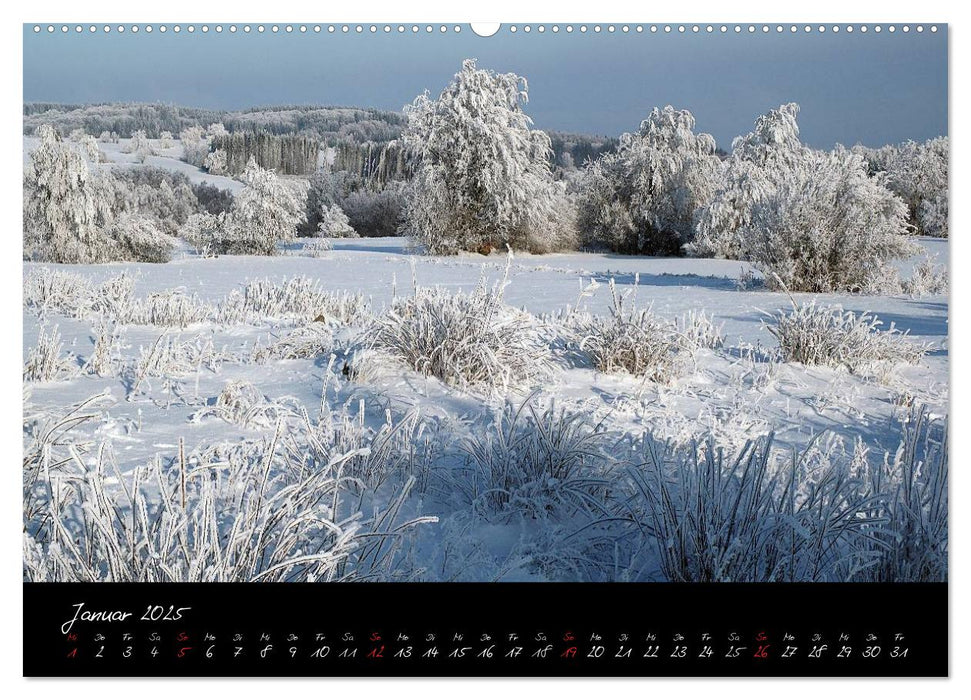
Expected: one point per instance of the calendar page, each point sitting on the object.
(604, 349)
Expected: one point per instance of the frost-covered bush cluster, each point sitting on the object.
(333, 223)
(484, 177)
(917, 173)
(77, 212)
(251, 511)
(796, 213)
(372, 208)
(824, 335)
(265, 213)
(927, 279)
(642, 198)
(468, 339)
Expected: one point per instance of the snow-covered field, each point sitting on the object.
(733, 393)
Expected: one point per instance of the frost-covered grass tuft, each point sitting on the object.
(820, 516)
(824, 335)
(927, 279)
(468, 340)
(172, 308)
(698, 330)
(243, 404)
(538, 463)
(298, 298)
(914, 545)
(304, 342)
(46, 361)
(47, 290)
(225, 512)
(641, 343)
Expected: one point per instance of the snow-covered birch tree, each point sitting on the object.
(484, 176)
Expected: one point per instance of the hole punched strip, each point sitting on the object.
(510, 28)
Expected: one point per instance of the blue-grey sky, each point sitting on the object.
(871, 88)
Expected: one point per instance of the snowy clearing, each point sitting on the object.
(226, 381)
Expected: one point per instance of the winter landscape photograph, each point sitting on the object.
(561, 304)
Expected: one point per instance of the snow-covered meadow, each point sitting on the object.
(163, 391)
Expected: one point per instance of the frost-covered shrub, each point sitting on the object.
(137, 238)
(927, 279)
(809, 220)
(918, 174)
(264, 213)
(466, 339)
(642, 197)
(333, 223)
(195, 148)
(205, 232)
(537, 463)
(824, 335)
(317, 247)
(484, 175)
(298, 298)
(46, 362)
(166, 140)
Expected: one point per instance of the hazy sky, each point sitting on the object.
(871, 88)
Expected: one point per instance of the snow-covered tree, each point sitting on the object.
(66, 206)
(265, 212)
(642, 198)
(165, 139)
(216, 130)
(334, 223)
(484, 176)
(215, 162)
(139, 146)
(810, 220)
(195, 148)
(757, 160)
